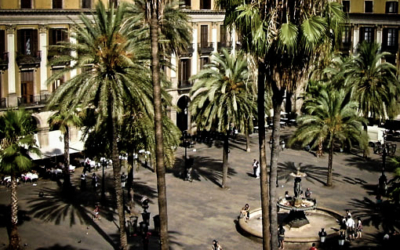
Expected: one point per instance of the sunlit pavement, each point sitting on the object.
(198, 211)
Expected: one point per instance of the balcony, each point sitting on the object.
(188, 51)
(33, 100)
(224, 45)
(29, 61)
(4, 61)
(53, 55)
(184, 86)
(206, 48)
(3, 103)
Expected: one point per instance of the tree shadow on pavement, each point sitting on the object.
(313, 173)
(370, 165)
(384, 216)
(58, 247)
(203, 168)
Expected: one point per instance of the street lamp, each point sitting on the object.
(383, 178)
(342, 238)
(322, 235)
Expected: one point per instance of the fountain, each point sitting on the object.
(300, 216)
(297, 204)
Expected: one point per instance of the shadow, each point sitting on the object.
(313, 173)
(203, 168)
(58, 247)
(384, 216)
(370, 165)
(5, 216)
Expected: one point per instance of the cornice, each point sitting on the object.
(34, 12)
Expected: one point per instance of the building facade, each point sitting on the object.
(28, 27)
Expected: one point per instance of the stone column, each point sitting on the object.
(195, 47)
(43, 136)
(233, 39)
(43, 61)
(379, 35)
(214, 36)
(174, 69)
(12, 95)
(356, 37)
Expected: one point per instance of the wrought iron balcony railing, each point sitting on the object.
(188, 51)
(29, 61)
(206, 48)
(4, 61)
(224, 45)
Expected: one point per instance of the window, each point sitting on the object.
(57, 4)
(27, 87)
(59, 81)
(222, 34)
(367, 34)
(204, 36)
(26, 4)
(186, 3)
(346, 35)
(391, 7)
(389, 37)
(57, 35)
(368, 7)
(86, 4)
(184, 73)
(203, 62)
(346, 6)
(27, 42)
(205, 4)
(2, 43)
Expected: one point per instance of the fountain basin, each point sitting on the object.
(318, 218)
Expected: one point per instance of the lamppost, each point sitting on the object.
(104, 163)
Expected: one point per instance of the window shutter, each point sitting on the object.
(34, 46)
(21, 42)
(385, 38)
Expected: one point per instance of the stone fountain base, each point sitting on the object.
(296, 219)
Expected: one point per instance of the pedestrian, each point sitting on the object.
(83, 182)
(96, 212)
(258, 170)
(287, 196)
(281, 236)
(359, 228)
(216, 245)
(255, 165)
(313, 247)
(123, 179)
(350, 224)
(348, 213)
(343, 225)
(94, 181)
(308, 193)
(322, 235)
(245, 212)
(382, 184)
(129, 226)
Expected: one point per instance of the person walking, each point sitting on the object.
(94, 181)
(96, 212)
(359, 228)
(216, 245)
(255, 166)
(83, 182)
(313, 247)
(350, 224)
(281, 236)
(123, 179)
(258, 170)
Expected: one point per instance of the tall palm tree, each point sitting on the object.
(330, 118)
(284, 36)
(221, 96)
(373, 83)
(113, 72)
(169, 33)
(17, 141)
(65, 121)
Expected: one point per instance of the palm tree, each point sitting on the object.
(113, 73)
(283, 36)
(330, 118)
(17, 141)
(169, 33)
(65, 121)
(221, 96)
(373, 83)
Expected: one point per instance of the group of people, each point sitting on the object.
(349, 228)
(94, 181)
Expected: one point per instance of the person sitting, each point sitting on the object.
(308, 193)
(245, 212)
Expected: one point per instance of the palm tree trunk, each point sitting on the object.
(330, 165)
(117, 178)
(225, 164)
(365, 152)
(247, 133)
(277, 104)
(160, 167)
(67, 177)
(319, 152)
(14, 236)
(131, 179)
(263, 158)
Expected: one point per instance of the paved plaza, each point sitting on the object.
(198, 211)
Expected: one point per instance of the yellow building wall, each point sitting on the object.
(9, 4)
(42, 4)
